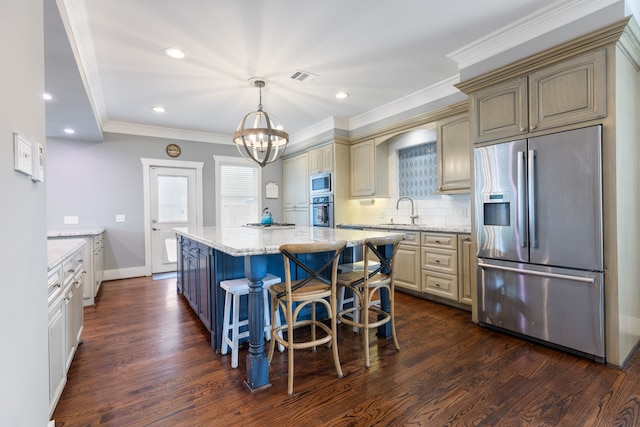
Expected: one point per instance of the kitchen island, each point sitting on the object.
(209, 255)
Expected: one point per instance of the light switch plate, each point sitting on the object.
(120, 218)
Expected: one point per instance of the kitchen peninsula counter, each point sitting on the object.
(209, 255)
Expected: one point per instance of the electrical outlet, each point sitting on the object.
(71, 220)
(120, 218)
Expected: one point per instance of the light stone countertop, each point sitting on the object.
(86, 232)
(58, 250)
(242, 241)
(459, 229)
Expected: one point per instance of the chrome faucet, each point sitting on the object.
(413, 216)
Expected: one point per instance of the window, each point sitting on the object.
(238, 191)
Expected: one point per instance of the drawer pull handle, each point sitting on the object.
(437, 261)
(437, 285)
(71, 270)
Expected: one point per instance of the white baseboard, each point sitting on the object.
(124, 273)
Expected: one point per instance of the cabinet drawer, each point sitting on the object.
(444, 285)
(440, 240)
(54, 283)
(68, 269)
(411, 238)
(442, 260)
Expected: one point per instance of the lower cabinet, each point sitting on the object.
(57, 371)
(93, 263)
(407, 262)
(66, 320)
(436, 266)
(440, 265)
(466, 269)
(194, 278)
(448, 265)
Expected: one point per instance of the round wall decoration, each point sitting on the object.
(173, 150)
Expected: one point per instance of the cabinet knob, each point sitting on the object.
(533, 127)
(523, 129)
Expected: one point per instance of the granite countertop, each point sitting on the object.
(460, 229)
(58, 250)
(241, 241)
(86, 232)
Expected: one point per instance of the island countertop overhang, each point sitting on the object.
(244, 241)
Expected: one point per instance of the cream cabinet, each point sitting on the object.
(296, 189)
(321, 159)
(561, 94)
(466, 269)
(440, 265)
(454, 154)
(369, 169)
(407, 262)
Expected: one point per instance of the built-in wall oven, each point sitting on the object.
(322, 211)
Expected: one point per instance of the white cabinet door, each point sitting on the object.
(57, 370)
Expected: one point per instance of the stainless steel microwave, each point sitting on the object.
(321, 183)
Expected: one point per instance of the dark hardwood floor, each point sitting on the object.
(146, 361)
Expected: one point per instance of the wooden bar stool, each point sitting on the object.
(365, 284)
(292, 296)
(235, 289)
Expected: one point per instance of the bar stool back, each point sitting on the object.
(315, 289)
(365, 284)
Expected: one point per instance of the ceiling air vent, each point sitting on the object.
(303, 76)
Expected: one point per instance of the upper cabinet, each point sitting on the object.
(296, 181)
(565, 93)
(369, 169)
(321, 159)
(454, 154)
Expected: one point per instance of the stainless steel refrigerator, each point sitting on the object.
(538, 222)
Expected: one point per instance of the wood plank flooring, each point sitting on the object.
(146, 361)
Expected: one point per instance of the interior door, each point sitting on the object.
(173, 201)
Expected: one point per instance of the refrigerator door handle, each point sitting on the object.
(537, 273)
(521, 198)
(532, 199)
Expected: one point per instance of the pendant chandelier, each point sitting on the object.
(259, 136)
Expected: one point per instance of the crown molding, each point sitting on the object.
(527, 28)
(422, 97)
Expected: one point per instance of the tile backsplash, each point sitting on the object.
(443, 210)
(413, 173)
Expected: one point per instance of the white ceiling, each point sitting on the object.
(381, 52)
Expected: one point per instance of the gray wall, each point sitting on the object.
(24, 389)
(98, 180)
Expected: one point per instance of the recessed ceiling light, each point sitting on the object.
(174, 52)
(47, 96)
(69, 131)
(158, 109)
(342, 95)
